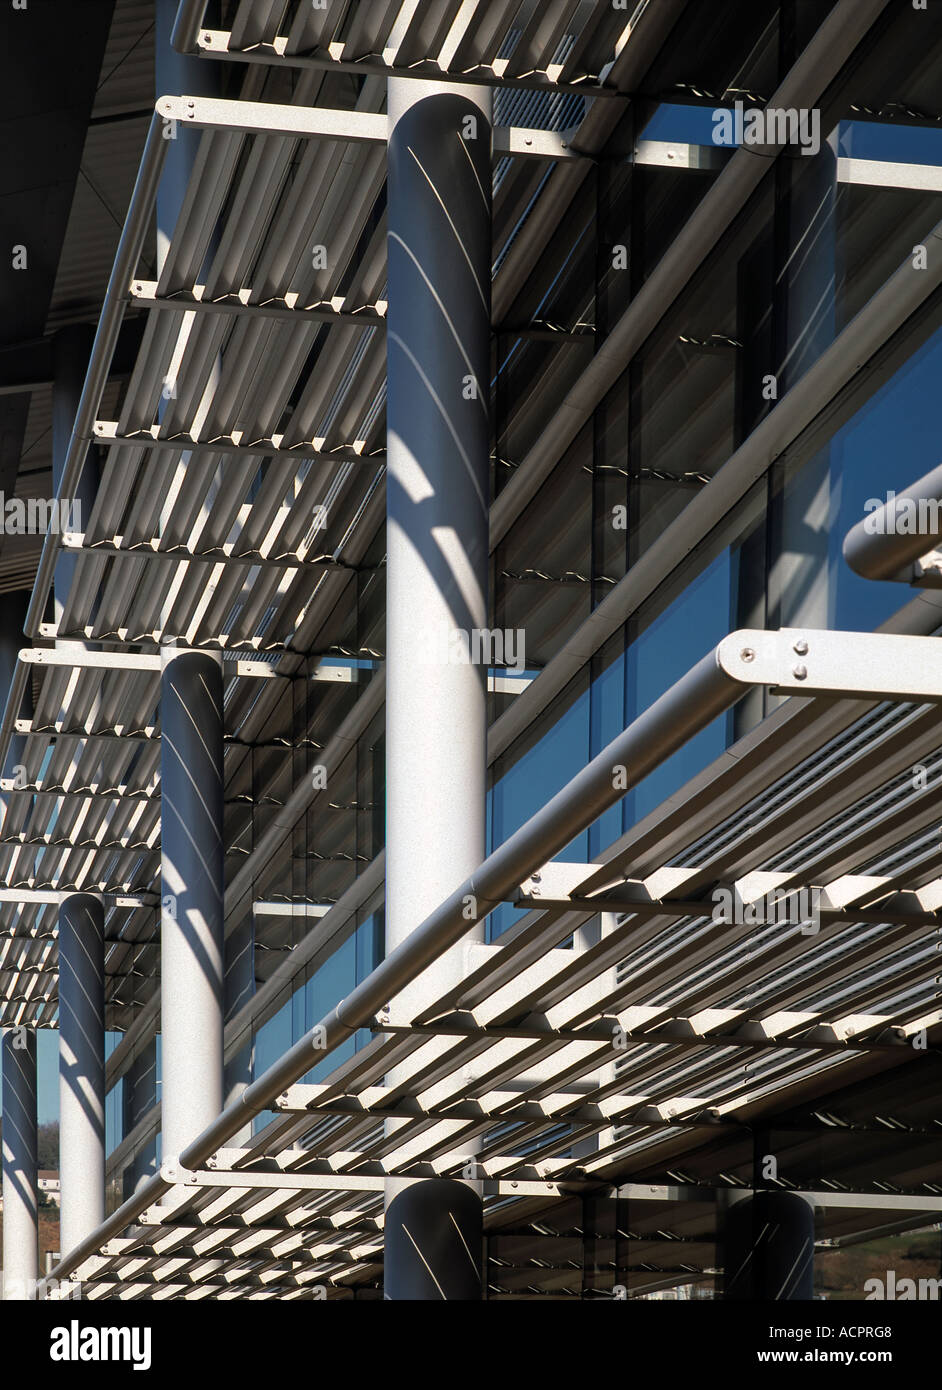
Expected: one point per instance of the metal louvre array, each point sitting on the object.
(520, 1056)
(556, 44)
(256, 398)
(224, 549)
(241, 510)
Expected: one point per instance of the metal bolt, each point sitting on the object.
(801, 647)
(747, 654)
(800, 672)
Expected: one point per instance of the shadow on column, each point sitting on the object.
(768, 1248)
(434, 1230)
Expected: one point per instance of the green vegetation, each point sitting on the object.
(842, 1273)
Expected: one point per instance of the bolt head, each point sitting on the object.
(801, 647)
(747, 654)
(800, 672)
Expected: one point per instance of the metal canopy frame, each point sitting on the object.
(525, 1016)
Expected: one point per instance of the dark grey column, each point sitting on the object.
(20, 1201)
(433, 1242)
(13, 608)
(139, 1097)
(81, 1066)
(191, 938)
(438, 443)
(768, 1248)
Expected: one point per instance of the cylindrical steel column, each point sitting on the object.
(434, 1232)
(140, 1096)
(768, 1248)
(81, 1066)
(438, 445)
(191, 936)
(20, 1200)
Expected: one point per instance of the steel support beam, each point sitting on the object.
(888, 542)
(239, 990)
(861, 665)
(191, 774)
(20, 1199)
(152, 662)
(71, 354)
(438, 444)
(74, 544)
(176, 72)
(106, 433)
(354, 127)
(81, 1066)
(287, 310)
(12, 618)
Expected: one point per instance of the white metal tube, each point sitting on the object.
(81, 1066)
(191, 923)
(438, 436)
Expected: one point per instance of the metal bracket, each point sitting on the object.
(927, 571)
(361, 127)
(855, 665)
